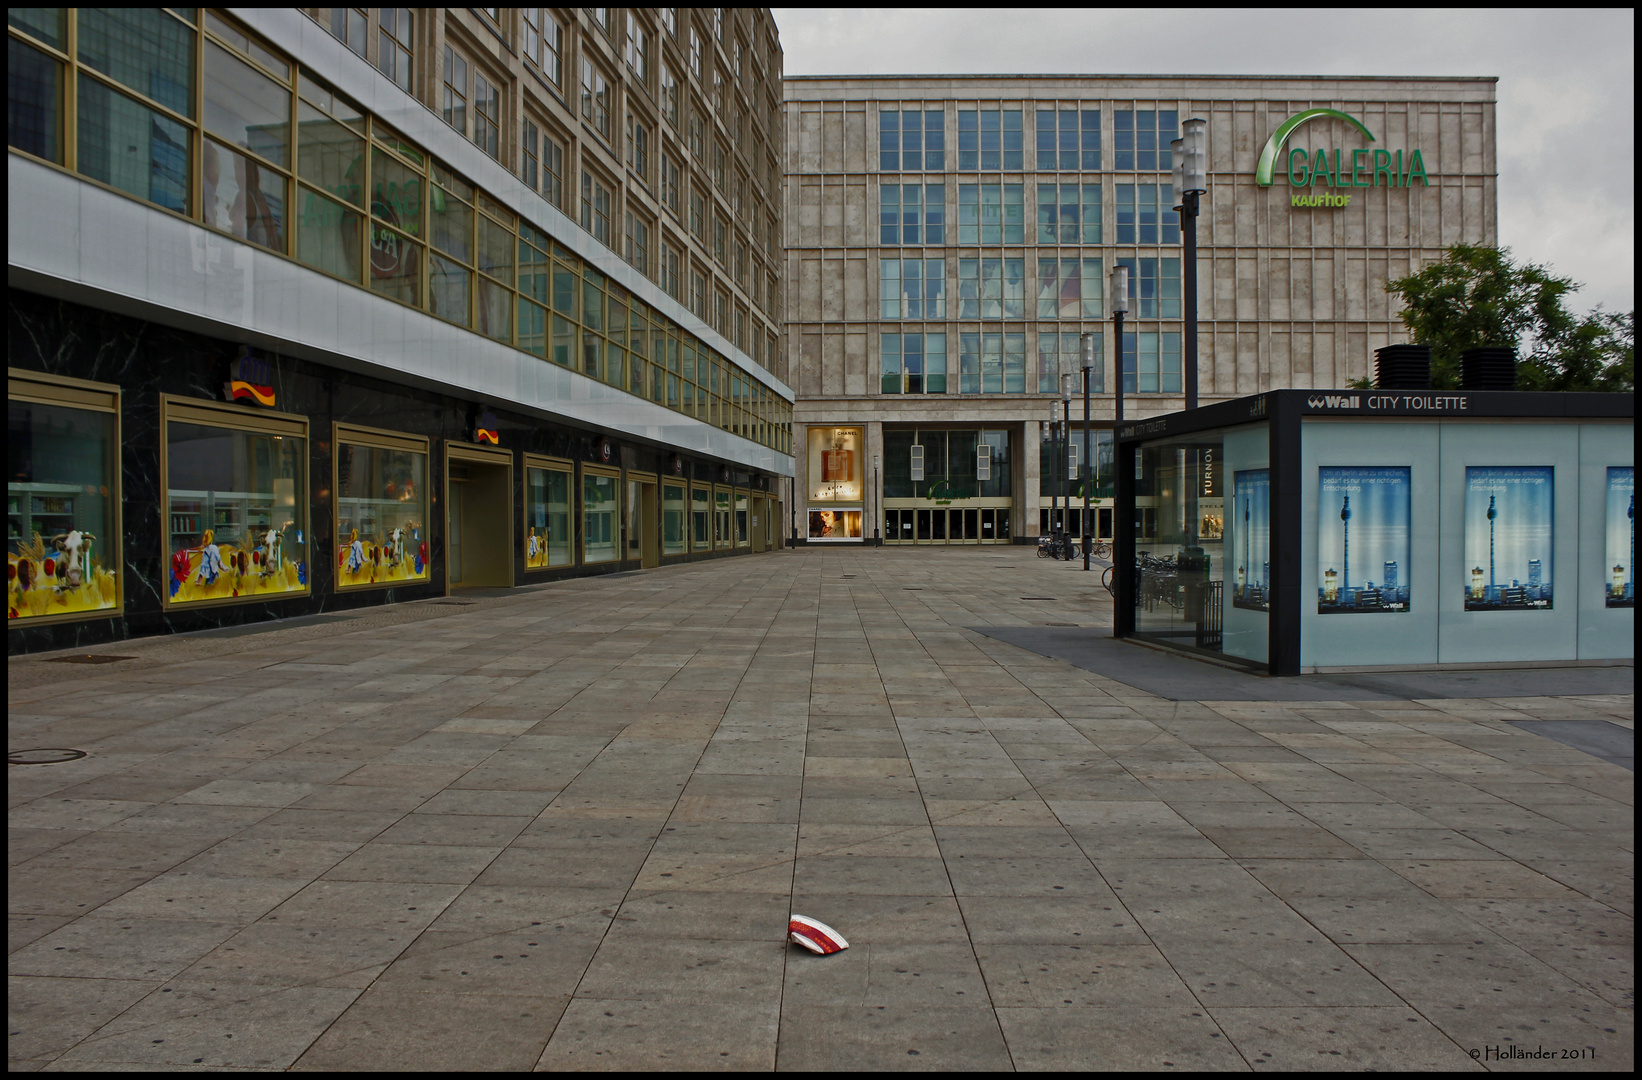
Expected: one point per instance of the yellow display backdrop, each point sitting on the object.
(62, 499)
(549, 517)
(236, 503)
(380, 493)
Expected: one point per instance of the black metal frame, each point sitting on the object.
(1285, 411)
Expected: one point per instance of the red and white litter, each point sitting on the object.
(815, 935)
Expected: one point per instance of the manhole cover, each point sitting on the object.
(45, 756)
(89, 658)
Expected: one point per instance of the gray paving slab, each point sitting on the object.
(562, 827)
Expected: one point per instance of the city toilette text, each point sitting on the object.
(1422, 402)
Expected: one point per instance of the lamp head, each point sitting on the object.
(1120, 289)
(1194, 133)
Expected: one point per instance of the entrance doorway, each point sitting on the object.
(929, 524)
(478, 518)
(643, 538)
(760, 522)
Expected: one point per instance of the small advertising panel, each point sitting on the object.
(1620, 587)
(1363, 517)
(835, 524)
(1508, 537)
(1250, 527)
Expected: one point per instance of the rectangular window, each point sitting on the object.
(236, 505)
(1069, 289)
(670, 264)
(34, 114)
(670, 181)
(638, 149)
(669, 95)
(912, 214)
(673, 511)
(596, 208)
(638, 243)
(487, 116)
(721, 519)
(381, 508)
(701, 501)
(889, 353)
(1068, 139)
(1144, 215)
(393, 48)
(455, 103)
(348, 27)
(1151, 363)
(989, 140)
(601, 495)
(912, 288)
(529, 155)
(548, 541)
(721, 230)
(1141, 139)
(1154, 287)
(991, 214)
(1069, 213)
(637, 50)
(991, 288)
(596, 98)
(63, 537)
(911, 140)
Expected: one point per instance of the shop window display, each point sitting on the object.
(62, 498)
(381, 515)
(599, 504)
(547, 519)
(236, 507)
(672, 519)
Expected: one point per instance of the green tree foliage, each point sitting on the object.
(1477, 296)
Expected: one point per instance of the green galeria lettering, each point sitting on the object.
(1307, 170)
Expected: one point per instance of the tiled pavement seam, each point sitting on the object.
(1170, 761)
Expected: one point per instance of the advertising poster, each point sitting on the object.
(1250, 527)
(1621, 560)
(1363, 539)
(1508, 519)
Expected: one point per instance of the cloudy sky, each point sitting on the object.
(1566, 112)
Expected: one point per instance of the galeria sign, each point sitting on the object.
(1342, 169)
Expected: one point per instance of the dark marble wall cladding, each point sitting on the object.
(146, 360)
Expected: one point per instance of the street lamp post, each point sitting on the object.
(1066, 381)
(1088, 451)
(1054, 488)
(1120, 304)
(1190, 181)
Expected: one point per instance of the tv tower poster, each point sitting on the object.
(1508, 537)
(1619, 585)
(1249, 528)
(1363, 539)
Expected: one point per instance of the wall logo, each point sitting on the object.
(250, 379)
(487, 430)
(1351, 169)
(1333, 402)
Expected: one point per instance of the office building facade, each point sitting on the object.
(950, 240)
(320, 308)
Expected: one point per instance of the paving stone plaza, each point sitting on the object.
(564, 827)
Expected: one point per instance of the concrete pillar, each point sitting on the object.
(1024, 519)
(872, 505)
(798, 515)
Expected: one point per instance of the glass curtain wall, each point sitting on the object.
(187, 111)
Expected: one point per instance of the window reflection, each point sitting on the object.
(243, 197)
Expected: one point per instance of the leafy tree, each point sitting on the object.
(1476, 295)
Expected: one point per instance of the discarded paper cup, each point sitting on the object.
(815, 935)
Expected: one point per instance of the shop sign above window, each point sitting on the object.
(250, 379)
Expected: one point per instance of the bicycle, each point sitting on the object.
(1058, 547)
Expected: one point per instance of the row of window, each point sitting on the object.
(995, 362)
(915, 214)
(237, 511)
(276, 158)
(996, 288)
(1068, 139)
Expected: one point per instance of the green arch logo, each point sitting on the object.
(1274, 145)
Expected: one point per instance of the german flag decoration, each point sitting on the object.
(250, 379)
(488, 430)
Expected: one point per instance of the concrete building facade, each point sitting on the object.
(950, 238)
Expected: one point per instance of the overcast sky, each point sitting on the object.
(1566, 96)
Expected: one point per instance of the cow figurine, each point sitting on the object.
(75, 549)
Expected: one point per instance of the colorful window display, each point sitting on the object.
(1508, 537)
(1363, 519)
(835, 524)
(381, 509)
(601, 499)
(672, 519)
(1250, 528)
(1620, 590)
(236, 504)
(62, 501)
(547, 540)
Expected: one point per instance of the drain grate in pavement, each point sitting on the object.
(456, 603)
(89, 658)
(50, 755)
(1040, 598)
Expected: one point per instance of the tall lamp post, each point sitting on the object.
(1066, 382)
(1120, 304)
(1088, 344)
(1190, 181)
(878, 497)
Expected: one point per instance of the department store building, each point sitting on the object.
(319, 308)
(950, 238)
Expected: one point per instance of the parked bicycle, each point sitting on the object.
(1058, 547)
